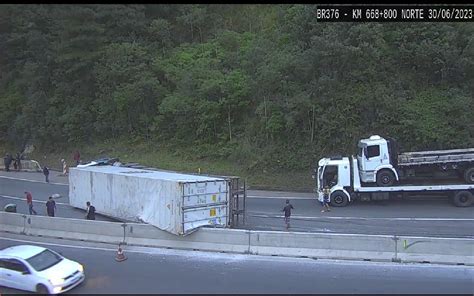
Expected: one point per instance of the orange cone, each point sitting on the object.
(120, 255)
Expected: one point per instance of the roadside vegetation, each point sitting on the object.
(258, 91)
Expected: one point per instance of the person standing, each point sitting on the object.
(7, 160)
(18, 160)
(77, 157)
(46, 173)
(287, 209)
(50, 206)
(90, 213)
(325, 201)
(29, 202)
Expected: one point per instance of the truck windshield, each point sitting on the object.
(330, 176)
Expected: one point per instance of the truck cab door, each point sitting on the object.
(372, 158)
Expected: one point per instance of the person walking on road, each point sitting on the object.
(46, 173)
(287, 210)
(29, 201)
(50, 206)
(90, 213)
(325, 201)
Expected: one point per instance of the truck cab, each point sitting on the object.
(334, 173)
(377, 160)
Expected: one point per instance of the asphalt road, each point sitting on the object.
(432, 216)
(150, 270)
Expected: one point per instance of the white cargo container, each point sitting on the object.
(174, 202)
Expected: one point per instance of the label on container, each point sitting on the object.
(212, 212)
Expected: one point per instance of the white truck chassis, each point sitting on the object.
(347, 186)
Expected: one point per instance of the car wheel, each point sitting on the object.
(42, 289)
(463, 199)
(339, 199)
(385, 178)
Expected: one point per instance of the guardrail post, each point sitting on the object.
(24, 224)
(124, 225)
(396, 259)
(249, 232)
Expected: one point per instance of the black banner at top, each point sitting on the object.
(394, 13)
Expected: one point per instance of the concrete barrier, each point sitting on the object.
(79, 229)
(320, 245)
(297, 244)
(209, 239)
(436, 250)
(12, 222)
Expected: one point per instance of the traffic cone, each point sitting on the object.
(120, 255)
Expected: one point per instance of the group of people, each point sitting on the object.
(51, 207)
(324, 202)
(8, 159)
(77, 159)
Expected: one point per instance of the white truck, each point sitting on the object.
(174, 202)
(378, 172)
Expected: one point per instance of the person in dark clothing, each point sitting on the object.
(90, 213)
(287, 210)
(46, 173)
(18, 161)
(50, 206)
(7, 160)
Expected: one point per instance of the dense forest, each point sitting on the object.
(248, 83)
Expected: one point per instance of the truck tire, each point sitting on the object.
(463, 199)
(385, 178)
(469, 175)
(339, 199)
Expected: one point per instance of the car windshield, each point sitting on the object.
(44, 260)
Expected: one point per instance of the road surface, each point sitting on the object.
(434, 216)
(152, 270)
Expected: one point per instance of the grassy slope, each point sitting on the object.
(164, 158)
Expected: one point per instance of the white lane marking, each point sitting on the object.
(361, 218)
(34, 181)
(282, 197)
(35, 201)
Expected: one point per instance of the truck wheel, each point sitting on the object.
(339, 199)
(469, 175)
(463, 199)
(385, 178)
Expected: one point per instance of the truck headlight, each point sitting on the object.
(56, 281)
(81, 268)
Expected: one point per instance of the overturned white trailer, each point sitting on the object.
(174, 202)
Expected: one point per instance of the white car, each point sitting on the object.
(38, 269)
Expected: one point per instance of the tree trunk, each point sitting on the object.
(228, 119)
(265, 115)
(312, 127)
